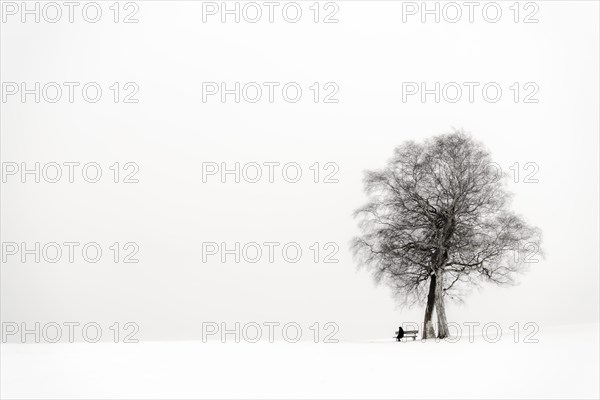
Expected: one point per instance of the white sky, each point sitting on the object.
(170, 132)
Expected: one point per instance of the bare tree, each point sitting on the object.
(438, 223)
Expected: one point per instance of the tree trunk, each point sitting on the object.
(428, 331)
(439, 306)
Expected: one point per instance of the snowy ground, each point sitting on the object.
(564, 364)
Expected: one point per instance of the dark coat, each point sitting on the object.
(400, 333)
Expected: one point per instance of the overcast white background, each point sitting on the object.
(171, 132)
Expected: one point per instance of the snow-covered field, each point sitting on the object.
(564, 364)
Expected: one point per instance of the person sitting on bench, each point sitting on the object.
(400, 334)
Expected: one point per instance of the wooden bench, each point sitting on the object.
(407, 334)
